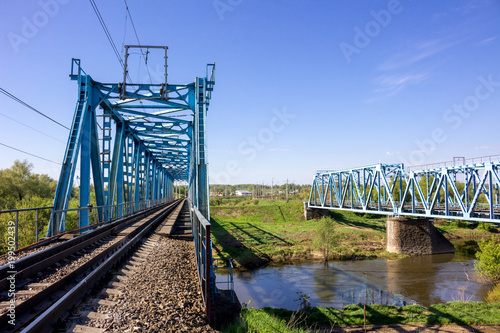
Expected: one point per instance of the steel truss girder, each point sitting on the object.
(448, 192)
(198, 170)
(151, 147)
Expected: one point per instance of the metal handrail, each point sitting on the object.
(100, 214)
(203, 251)
(465, 161)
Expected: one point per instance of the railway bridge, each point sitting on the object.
(466, 190)
(131, 145)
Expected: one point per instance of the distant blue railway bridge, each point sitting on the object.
(468, 192)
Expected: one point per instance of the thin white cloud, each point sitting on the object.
(485, 147)
(278, 149)
(408, 152)
(437, 16)
(392, 84)
(470, 7)
(487, 41)
(418, 52)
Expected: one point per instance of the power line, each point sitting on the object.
(108, 35)
(124, 34)
(8, 94)
(34, 129)
(22, 151)
(138, 41)
(106, 31)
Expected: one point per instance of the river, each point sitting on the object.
(423, 280)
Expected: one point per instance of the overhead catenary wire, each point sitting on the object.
(108, 35)
(138, 41)
(25, 152)
(124, 33)
(34, 129)
(106, 31)
(8, 94)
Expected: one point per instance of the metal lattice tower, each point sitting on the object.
(151, 135)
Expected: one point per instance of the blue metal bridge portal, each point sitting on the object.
(149, 136)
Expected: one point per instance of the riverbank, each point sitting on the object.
(461, 316)
(256, 233)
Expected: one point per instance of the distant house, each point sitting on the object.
(243, 193)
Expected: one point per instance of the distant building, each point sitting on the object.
(243, 193)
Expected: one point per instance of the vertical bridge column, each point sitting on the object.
(415, 236)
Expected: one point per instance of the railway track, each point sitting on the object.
(50, 282)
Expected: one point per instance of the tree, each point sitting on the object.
(14, 181)
(231, 190)
(18, 183)
(326, 237)
(488, 265)
(305, 192)
(20, 188)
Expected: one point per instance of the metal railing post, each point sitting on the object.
(36, 226)
(17, 226)
(208, 261)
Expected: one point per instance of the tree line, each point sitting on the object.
(21, 188)
(295, 191)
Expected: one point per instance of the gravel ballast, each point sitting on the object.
(162, 295)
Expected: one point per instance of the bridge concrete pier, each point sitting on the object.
(314, 213)
(415, 236)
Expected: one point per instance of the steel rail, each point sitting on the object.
(56, 290)
(45, 322)
(55, 252)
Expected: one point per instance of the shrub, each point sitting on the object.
(488, 265)
(215, 201)
(325, 236)
(486, 226)
(462, 224)
(467, 247)
(493, 295)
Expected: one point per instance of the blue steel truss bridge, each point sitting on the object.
(129, 143)
(468, 192)
(132, 141)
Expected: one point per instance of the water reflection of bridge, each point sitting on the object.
(424, 280)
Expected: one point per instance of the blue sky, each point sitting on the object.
(300, 85)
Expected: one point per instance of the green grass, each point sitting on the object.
(463, 230)
(256, 232)
(281, 320)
